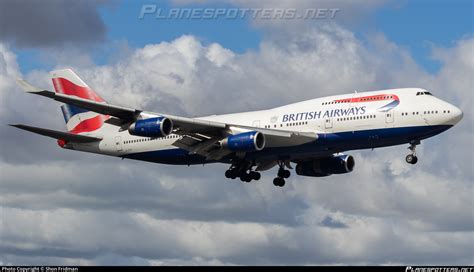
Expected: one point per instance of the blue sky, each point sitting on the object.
(415, 25)
(420, 24)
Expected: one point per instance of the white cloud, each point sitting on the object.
(347, 12)
(72, 234)
(219, 55)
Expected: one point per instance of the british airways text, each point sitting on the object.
(310, 115)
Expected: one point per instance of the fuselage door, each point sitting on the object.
(118, 143)
(328, 123)
(256, 123)
(389, 117)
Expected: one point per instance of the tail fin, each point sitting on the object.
(77, 119)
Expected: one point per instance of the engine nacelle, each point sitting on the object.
(340, 164)
(246, 142)
(151, 127)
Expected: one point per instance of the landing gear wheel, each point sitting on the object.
(282, 182)
(279, 182)
(245, 177)
(412, 159)
(255, 175)
(231, 174)
(276, 181)
(282, 173)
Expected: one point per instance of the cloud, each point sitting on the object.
(330, 222)
(29, 23)
(346, 13)
(71, 207)
(76, 234)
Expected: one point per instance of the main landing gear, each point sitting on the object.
(282, 175)
(412, 158)
(242, 170)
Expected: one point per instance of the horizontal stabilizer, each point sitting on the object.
(99, 107)
(27, 86)
(123, 113)
(60, 135)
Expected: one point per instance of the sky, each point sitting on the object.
(64, 207)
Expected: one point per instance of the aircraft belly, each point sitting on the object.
(327, 144)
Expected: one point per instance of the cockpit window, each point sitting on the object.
(423, 93)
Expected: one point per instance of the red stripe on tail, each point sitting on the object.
(90, 124)
(64, 86)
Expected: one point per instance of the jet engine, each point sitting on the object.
(151, 127)
(339, 164)
(246, 142)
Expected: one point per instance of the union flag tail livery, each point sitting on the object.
(77, 119)
(310, 134)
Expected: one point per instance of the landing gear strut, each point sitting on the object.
(412, 158)
(282, 174)
(242, 170)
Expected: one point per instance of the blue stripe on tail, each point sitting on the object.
(70, 110)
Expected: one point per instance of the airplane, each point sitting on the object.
(310, 134)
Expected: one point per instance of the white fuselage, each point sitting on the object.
(392, 114)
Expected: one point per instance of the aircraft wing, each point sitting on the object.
(199, 136)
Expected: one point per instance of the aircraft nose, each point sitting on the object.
(457, 114)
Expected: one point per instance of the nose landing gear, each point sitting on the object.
(412, 158)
